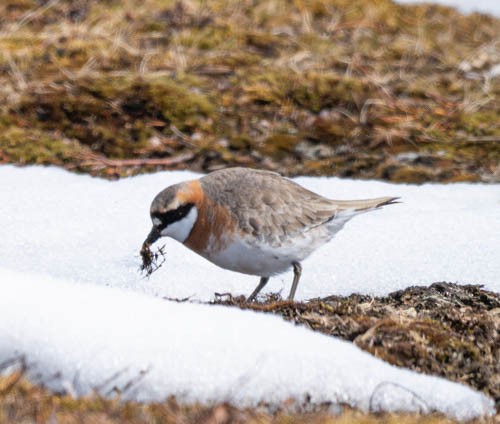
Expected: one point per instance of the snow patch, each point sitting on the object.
(89, 230)
(465, 6)
(148, 349)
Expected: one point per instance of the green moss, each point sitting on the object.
(212, 37)
(480, 123)
(280, 145)
(234, 59)
(176, 102)
(313, 91)
(113, 115)
(31, 146)
(369, 80)
(240, 142)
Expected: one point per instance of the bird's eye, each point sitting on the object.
(169, 217)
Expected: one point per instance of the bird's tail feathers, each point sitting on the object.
(364, 205)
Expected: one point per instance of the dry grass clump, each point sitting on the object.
(151, 261)
(21, 401)
(336, 87)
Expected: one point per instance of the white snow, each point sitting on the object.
(84, 229)
(148, 348)
(465, 6)
(60, 230)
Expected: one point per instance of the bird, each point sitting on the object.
(252, 221)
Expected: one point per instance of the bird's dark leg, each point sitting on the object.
(297, 270)
(262, 283)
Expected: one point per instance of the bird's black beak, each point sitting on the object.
(153, 235)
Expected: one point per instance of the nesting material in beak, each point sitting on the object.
(151, 261)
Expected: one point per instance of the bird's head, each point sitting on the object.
(174, 212)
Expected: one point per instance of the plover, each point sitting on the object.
(250, 221)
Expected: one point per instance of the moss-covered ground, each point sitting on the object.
(325, 87)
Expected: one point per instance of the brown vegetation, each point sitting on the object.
(23, 402)
(325, 87)
(446, 329)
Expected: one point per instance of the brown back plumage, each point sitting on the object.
(274, 208)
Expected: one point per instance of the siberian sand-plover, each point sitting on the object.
(250, 221)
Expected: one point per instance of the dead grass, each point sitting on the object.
(22, 402)
(330, 87)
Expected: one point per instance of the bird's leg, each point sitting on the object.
(263, 281)
(297, 270)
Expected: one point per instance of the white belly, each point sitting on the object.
(251, 257)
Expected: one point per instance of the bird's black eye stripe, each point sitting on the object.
(172, 216)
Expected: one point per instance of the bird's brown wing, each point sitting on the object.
(266, 205)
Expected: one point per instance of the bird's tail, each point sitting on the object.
(364, 205)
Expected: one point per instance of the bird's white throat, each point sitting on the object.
(181, 229)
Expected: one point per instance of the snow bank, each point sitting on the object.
(88, 230)
(465, 6)
(147, 348)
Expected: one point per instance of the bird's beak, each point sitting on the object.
(153, 235)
